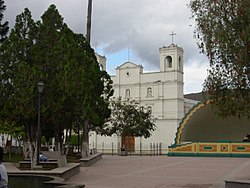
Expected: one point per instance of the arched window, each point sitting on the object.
(149, 92)
(101, 66)
(127, 93)
(168, 61)
(179, 64)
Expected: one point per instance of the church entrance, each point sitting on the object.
(128, 142)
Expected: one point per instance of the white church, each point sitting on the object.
(161, 92)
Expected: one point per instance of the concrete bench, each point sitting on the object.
(48, 165)
(88, 161)
(63, 172)
(56, 155)
(24, 165)
(50, 160)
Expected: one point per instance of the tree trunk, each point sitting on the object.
(30, 151)
(33, 158)
(85, 144)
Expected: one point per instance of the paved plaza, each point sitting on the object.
(162, 171)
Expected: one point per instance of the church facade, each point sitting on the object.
(160, 92)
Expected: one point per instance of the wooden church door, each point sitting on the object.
(128, 142)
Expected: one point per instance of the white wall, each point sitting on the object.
(167, 100)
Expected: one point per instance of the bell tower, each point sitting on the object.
(171, 66)
(171, 58)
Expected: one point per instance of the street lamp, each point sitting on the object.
(40, 86)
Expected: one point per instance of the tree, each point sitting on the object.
(223, 33)
(75, 86)
(19, 77)
(4, 28)
(129, 119)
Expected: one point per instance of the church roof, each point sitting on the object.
(171, 46)
(128, 65)
(201, 96)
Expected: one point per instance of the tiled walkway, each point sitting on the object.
(162, 172)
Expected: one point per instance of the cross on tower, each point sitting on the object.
(172, 34)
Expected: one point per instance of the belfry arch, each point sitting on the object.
(168, 62)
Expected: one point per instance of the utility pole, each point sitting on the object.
(89, 21)
(85, 144)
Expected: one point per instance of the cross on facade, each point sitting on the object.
(172, 34)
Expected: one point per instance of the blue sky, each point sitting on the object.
(143, 26)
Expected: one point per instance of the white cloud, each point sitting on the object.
(194, 76)
(142, 25)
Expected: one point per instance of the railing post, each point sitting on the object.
(140, 148)
(150, 151)
(157, 149)
(112, 148)
(160, 148)
(154, 148)
(118, 148)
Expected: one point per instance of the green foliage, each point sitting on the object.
(18, 75)
(13, 130)
(74, 140)
(13, 158)
(223, 33)
(4, 28)
(129, 119)
(75, 89)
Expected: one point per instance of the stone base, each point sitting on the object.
(124, 153)
(88, 161)
(237, 184)
(39, 167)
(62, 161)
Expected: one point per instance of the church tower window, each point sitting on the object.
(168, 61)
(149, 92)
(127, 93)
(179, 64)
(101, 67)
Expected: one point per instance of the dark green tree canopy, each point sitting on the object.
(4, 28)
(75, 89)
(223, 33)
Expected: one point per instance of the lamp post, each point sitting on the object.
(40, 86)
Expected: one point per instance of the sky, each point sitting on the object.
(129, 30)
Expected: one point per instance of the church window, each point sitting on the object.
(168, 61)
(179, 64)
(127, 93)
(128, 74)
(149, 92)
(101, 67)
